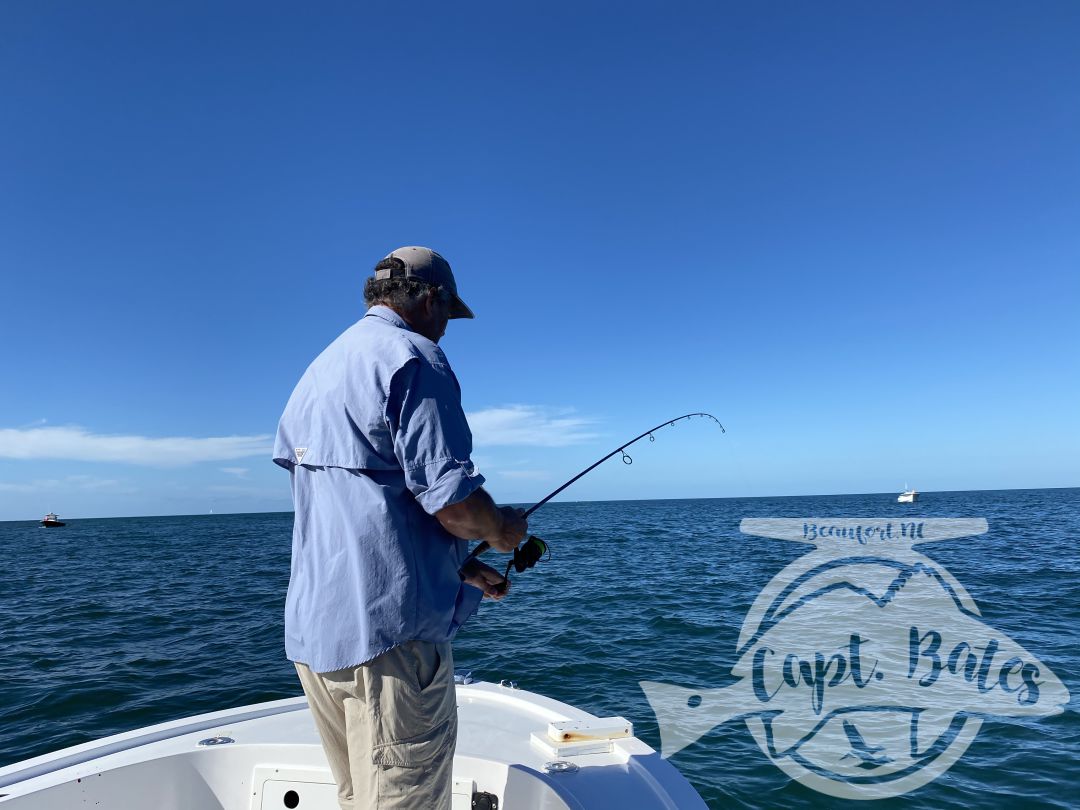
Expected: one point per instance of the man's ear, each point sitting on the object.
(430, 301)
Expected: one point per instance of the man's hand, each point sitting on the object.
(513, 530)
(491, 582)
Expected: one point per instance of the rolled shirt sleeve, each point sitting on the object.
(432, 440)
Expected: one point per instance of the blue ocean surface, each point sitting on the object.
(109, 625)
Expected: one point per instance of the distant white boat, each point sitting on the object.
(907, 496)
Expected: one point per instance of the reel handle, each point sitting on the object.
(525, 557)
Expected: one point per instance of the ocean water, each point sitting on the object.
(109, 625)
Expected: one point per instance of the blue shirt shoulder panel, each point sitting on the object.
(337, 415)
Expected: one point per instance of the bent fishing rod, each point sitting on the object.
(534, 549)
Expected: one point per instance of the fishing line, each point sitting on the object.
(533, 550)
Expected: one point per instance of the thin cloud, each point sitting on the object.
(528, 425)
(78, 444)
(525, 475)
(239, 472)
(238, 490)
(71, 482)
(91, 482)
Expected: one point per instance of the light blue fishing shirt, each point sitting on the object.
(376, 443)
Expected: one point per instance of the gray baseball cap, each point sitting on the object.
(426, 265)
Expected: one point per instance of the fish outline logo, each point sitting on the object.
(864, 669)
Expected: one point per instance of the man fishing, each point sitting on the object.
(385, 496)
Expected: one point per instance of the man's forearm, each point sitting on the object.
(475, 518)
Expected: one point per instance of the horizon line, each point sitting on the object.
(598, 500)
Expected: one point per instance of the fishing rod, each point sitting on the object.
(534, 549)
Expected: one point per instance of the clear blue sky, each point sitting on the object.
(850, 230)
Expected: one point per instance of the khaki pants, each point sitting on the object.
(389, 727)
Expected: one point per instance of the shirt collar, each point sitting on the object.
(387, 314)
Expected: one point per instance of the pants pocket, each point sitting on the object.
(419, 751)
(412, 700)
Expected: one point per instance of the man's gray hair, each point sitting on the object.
(401, 293)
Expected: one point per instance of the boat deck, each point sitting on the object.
(272, 759)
